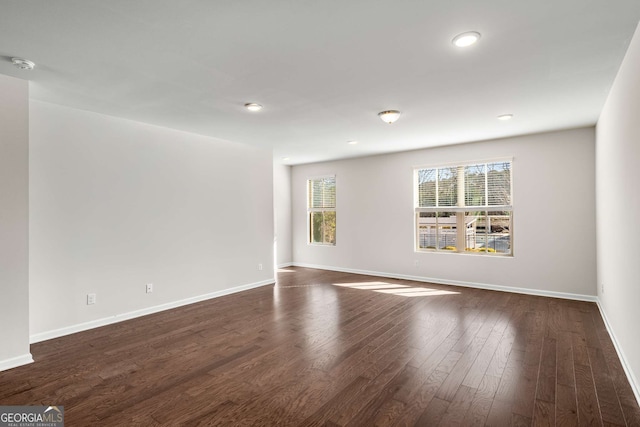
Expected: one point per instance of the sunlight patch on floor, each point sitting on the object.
(396, 289)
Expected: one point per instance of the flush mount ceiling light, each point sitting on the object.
(504, 117)
(466, 39)
(389, 116)
(286, 158)
(352, 142)
(23, 64)
(251, 106)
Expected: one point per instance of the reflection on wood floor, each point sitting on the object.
(328, 348)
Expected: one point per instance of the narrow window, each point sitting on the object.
(321, 210)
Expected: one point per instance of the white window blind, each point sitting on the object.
(321, 210)
(475, 189)
(465, 208)
(427, 187)
(499, 184)
(322, 193)
(485, 185)
(448, 186)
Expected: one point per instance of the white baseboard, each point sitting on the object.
(623, 360)
(47, 335)
(285, 265)
(538, 292)
(14, 362)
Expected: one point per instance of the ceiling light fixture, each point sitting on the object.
(23, 64)
(504, 117)
(466, 39)
(286, 158)
(251, 106)
(352, 142)
(389, 116)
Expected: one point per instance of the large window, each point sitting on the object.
(465, 208)
(321, 210)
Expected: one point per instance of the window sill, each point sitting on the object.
(480, 254)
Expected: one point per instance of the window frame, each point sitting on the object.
(311, 210)
(460, 220)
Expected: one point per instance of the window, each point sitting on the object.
(321, 210)
(464, 208)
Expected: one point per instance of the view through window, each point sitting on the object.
(321, 210)
(465, 208)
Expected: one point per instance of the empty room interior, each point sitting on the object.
(320, 213)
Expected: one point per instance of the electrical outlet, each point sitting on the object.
(149, 288)
(259, 266)
(91, 299)
(602, 288)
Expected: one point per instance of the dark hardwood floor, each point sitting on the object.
(337, 349)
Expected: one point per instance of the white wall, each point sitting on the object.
(554, 219)
(14, 222)
(117, 204)
(282, 211)
(618, 205)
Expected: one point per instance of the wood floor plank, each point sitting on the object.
(544, 414)
(566, 399)
(338, 404)
(510, 378)
(420, 399)
(608, 401)
(547, 374)
(566, 406)
(460, 370)
(588, 410)
(458, 408)
(478, 411)
(518, 420)
(477, 371)
(389, 413)
(499, 414)
(375, 390)
(328, 348)
(370, 413)
(434, 413)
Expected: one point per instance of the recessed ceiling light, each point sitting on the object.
(466, 39)
(505, 117)
(352, 142)
(251, 106)
(23, 64)
(286, 158)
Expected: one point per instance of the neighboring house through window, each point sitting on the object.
(464, 208)
(321, 210)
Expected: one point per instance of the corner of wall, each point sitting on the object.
(15, 362)
(14, 222)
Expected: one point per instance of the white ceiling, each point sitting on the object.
(323, 69)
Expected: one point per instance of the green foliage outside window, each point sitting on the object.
(322, 210)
